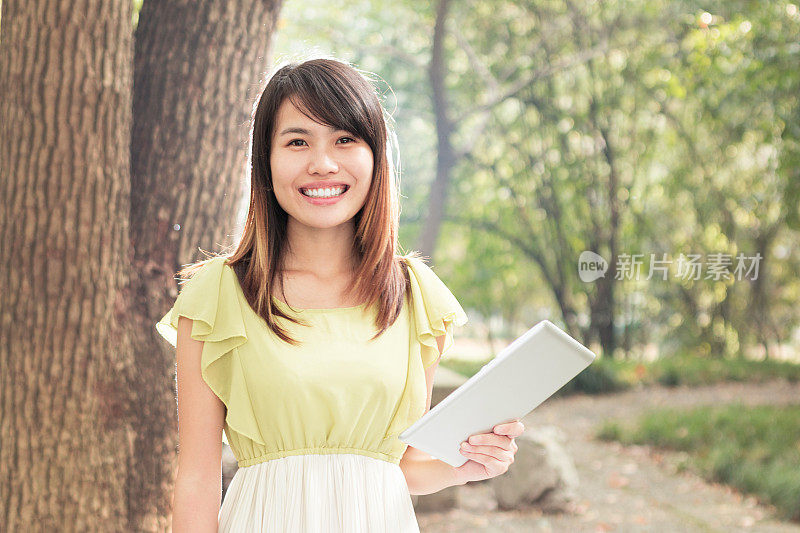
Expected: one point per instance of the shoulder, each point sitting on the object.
(208, 297)
(205, 274)
(430, 293)
(434, 308)
(421, 273)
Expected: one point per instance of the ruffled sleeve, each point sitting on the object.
(210, 299)
(435, 310)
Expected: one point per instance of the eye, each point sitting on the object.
(293, 141)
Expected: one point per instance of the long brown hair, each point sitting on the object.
(337, 94)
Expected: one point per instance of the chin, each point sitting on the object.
(325, 223)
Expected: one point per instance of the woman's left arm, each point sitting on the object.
(488, 454)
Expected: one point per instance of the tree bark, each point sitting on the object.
(88, 407)
(65, 354)
(198, 71)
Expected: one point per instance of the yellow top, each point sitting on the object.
(337, 392)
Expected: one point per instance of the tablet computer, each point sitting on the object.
(523, 375)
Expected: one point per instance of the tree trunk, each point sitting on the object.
(89, 430)
(761, 324)
(198, 71)
(445, 155)
(65, 354)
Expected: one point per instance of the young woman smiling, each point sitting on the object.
(314, 344)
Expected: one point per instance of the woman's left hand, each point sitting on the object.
(489, 454)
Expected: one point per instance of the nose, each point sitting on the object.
(322, 163)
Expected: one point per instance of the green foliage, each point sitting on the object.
(695, 371)
(465, 367)
(609, 431)
(657, 127)
(669, 377)
(605, 375)
(598, 378)
(752, 448)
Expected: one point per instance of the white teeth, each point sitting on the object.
(323, 193)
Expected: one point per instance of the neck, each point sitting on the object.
(324, 252)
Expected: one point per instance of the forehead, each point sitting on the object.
(290, 116)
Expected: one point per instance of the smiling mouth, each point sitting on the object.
(325, 192)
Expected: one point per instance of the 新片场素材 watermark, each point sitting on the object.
(718, 266)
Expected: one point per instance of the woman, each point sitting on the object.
(313, 344)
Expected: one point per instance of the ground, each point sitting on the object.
(628, 488)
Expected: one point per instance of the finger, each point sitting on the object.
(491, 439)
(501, 454)
(493, 464)
(506, 427)
(511, 429)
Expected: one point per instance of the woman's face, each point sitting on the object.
(320, 177)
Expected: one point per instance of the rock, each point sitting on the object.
(542, 474)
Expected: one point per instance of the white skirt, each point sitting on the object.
(325, 493)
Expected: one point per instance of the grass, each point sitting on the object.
(755, 449)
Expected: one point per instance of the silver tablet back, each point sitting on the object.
(522, 376)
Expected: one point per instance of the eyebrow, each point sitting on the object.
(303, 131)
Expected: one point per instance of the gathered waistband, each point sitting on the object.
(320, 450)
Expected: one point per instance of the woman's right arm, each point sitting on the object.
(201, 416)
